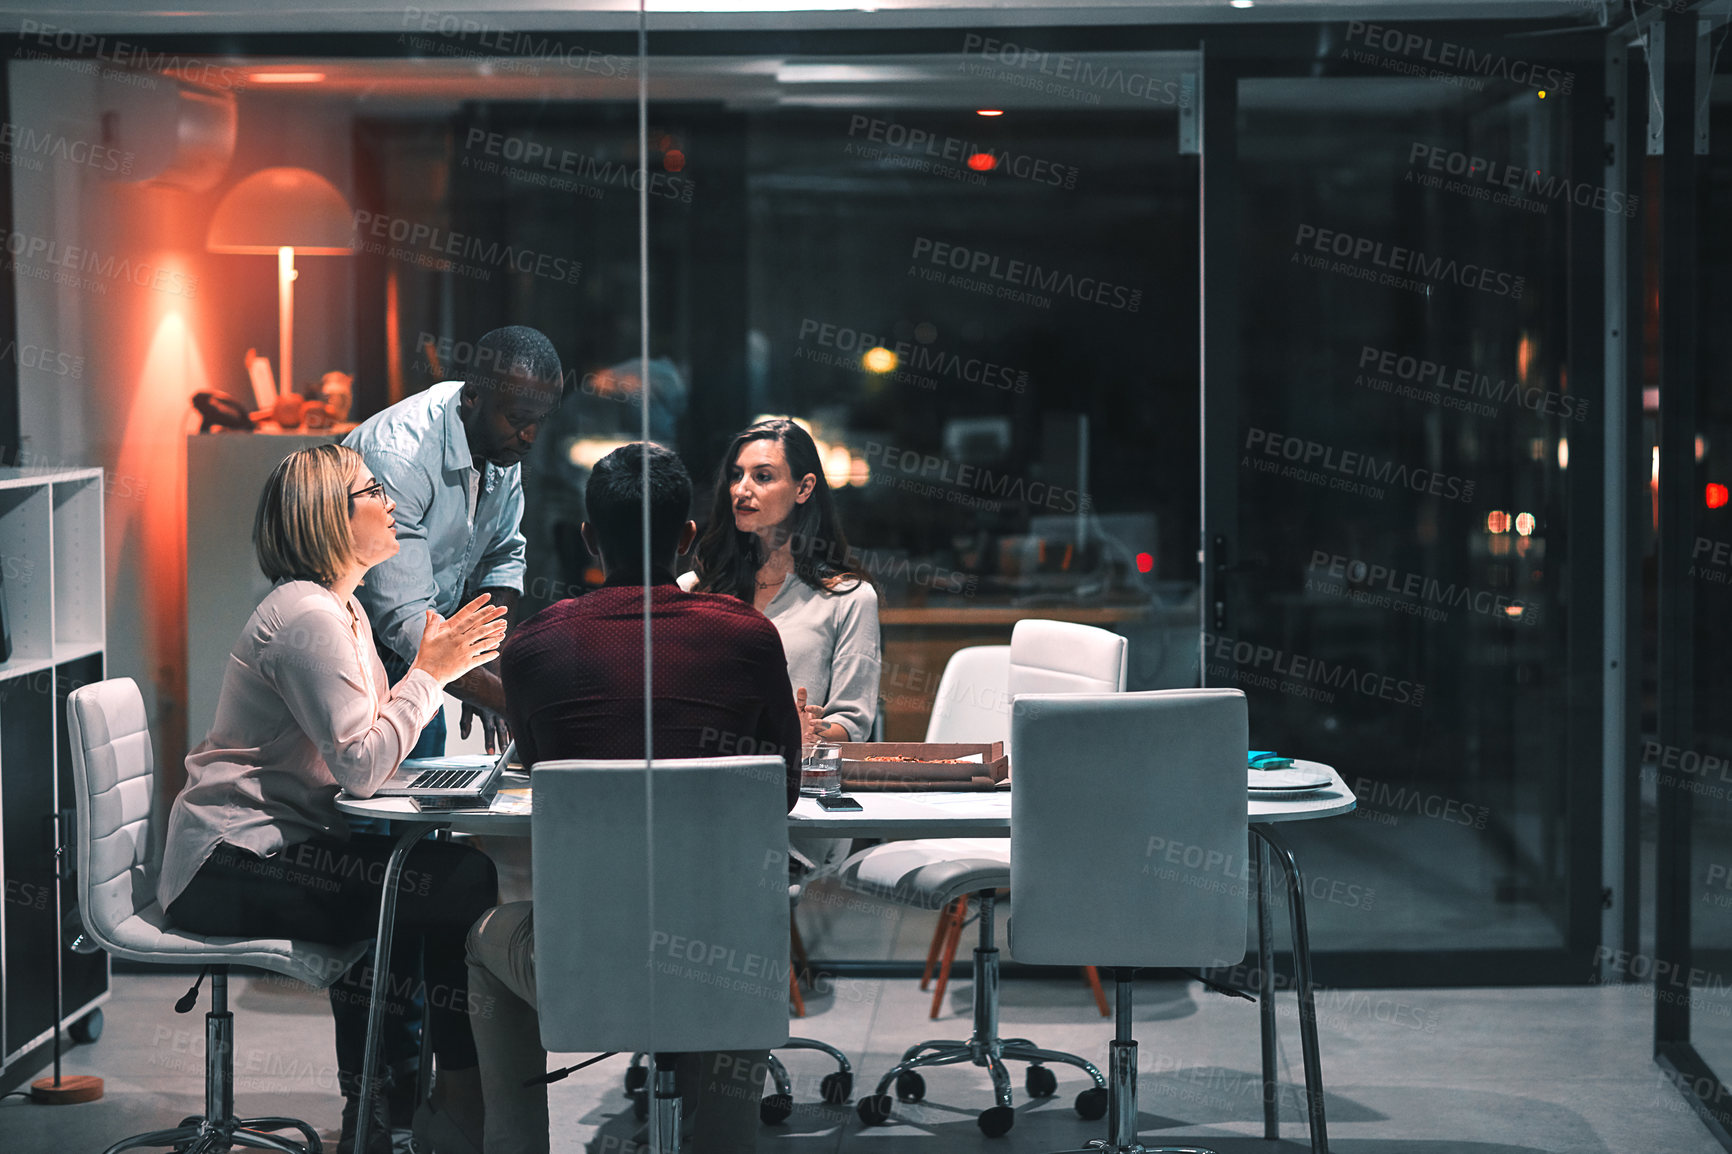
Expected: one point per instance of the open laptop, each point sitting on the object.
(462, 778)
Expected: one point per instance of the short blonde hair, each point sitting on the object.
(301, 531)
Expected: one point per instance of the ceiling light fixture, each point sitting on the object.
(286, 77)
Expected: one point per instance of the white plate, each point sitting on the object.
(1288, 780)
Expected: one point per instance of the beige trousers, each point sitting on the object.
(721, 1089)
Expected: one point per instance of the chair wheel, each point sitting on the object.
(874, 1109)
(775, 1108)
(640, 1105)
(88, 1028)
(837, 1088)
(996, 1121)
(636, 1078)
(1092, 1103)
(1041, 1082)
(910, 1087)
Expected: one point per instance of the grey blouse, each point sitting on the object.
(832, 645)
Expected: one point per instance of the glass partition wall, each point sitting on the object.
(1402, 484)
(1684, 762)
(1287, 365)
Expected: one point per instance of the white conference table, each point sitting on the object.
(893, 816)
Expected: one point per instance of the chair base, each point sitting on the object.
(835, 1089)
(199, 1135)
(984, 1048)
(1122, 1094)
(218, 1128)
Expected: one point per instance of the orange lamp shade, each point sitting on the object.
(283, 207)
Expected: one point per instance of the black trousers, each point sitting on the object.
(325, 890)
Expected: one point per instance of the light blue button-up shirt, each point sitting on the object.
(418, 448)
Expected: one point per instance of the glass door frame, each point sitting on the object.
(1221, 556)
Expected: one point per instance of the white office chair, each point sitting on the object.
(973, 698)
(1163, 769)
(1045, 657)
(114, 783)
(682, 943)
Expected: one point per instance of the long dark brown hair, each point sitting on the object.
(728, 560)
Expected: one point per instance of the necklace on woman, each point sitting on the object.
(772, 584)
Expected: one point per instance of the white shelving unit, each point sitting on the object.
(52, 570)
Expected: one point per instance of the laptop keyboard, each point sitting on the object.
(444, 778)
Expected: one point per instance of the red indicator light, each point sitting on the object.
(674, 160)
(1717, 495)
(982, 161)
(1145, 562)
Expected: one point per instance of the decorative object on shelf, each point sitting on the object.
(259, 374)
(337, 390)
(282, 210)
(219, 411)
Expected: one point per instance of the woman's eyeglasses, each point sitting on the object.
(376, 489)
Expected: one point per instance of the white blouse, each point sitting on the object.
(304, 711)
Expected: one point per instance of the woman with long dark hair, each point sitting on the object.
(774, 541)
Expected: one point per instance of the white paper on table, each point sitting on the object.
(511, 801)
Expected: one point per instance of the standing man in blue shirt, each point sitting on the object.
(449, 457)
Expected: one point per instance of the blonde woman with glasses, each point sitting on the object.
(255, 844)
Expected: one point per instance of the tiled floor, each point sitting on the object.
(1406, 1072)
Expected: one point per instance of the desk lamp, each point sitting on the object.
(283, 210)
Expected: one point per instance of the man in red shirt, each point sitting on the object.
(574, 687)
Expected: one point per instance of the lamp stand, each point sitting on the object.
(68, 1089)
(286, 318)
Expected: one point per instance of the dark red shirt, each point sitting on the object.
(573, 677)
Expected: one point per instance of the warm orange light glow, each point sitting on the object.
(1497, 521)
(151, 454)
(1717, 495)
(1524, 524)
(989, 112)
(1524, 357)
(674, 161)
(286, 77)
(879, 360)
(983, 162)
